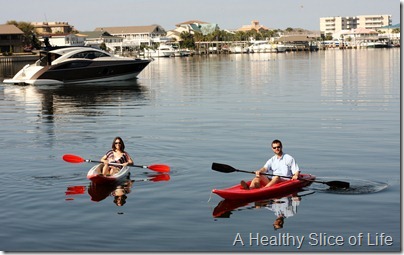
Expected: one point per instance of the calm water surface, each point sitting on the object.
(337, 112)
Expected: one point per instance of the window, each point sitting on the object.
(89, 55)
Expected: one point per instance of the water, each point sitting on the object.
(337, 112)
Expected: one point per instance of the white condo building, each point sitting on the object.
(330, 25)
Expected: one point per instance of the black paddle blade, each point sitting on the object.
(338, 184)
(222, 168)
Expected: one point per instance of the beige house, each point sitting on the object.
(137, 35)
(11, 38)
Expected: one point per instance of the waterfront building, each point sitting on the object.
(390, 29)
(134, 36)
(96, 38)
(355, 37)
(295, 43)
(47, 28)
(191, 26)
(374, 21)
(362, 37)
(63, 40)
(330, 25)
(391, 32)
(255, 25)
(11, 39)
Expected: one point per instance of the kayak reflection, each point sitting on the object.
(99, 192)
(119, 191)
(282, 207)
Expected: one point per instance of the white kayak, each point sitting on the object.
(94, 176)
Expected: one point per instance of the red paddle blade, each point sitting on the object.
(160, 177)
(159, 168)
(73, 158)
(75, 190)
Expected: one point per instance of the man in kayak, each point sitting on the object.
(117, 155)
(281, 164)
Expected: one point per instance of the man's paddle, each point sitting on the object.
(77, 159)
(229, 169)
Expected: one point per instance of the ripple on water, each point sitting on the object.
(356, 186)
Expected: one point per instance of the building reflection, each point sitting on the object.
(358, 74)
(358, 79)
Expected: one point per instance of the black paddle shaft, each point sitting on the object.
(229, 169)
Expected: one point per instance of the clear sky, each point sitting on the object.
(86, 15)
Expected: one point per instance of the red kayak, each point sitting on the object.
(281, 188)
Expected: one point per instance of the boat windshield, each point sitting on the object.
(89, 55)
(46, 58)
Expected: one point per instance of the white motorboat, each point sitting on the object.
(76, 65)
(164, 50)
(262, 47)
(238, 49)
(283, 47)
(182, 53)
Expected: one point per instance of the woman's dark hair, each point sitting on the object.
(123, 200)
(122, 143)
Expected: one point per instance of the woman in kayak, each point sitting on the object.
(280, 164)
(116, 155)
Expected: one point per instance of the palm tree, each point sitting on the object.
(187, 40)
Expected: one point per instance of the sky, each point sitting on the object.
(86, 15)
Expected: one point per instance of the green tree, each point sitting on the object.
(199, 37)
(289, 29)
(187, 40)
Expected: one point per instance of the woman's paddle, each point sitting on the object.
(77, 159)
(156, 178)
(229, 169)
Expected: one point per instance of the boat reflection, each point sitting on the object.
(45, 108)
(283, 207)
(118, 191)
(75, 97)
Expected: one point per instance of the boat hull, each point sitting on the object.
(78, 71)
(281, 188)
(94, 176)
